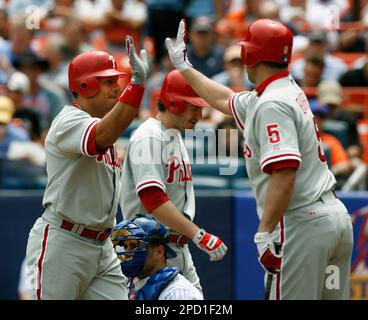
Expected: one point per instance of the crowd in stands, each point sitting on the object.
(38, 39)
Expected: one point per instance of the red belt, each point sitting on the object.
(178, 239)
(87, 233)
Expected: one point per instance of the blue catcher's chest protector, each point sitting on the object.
(156, 283)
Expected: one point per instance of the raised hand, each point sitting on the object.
(138, 65)
(178, 51)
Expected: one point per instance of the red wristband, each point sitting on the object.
(132, 95)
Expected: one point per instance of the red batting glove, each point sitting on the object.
(268, 257)
(210, 244)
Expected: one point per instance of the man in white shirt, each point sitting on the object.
(141, 246)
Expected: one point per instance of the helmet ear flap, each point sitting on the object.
(87, 87)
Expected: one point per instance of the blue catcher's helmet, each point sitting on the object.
(144, 231)
(131, 262)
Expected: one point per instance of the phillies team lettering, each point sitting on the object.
(110, 158)
(176, 170)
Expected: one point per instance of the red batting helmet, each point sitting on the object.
(86, 67)
(175, 91)
(266, 40)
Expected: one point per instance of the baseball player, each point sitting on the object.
(157, 167)
(69, 253)
(284, 157)
(141, 245)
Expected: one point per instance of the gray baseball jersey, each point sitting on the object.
(278, 125)
(83, 188)
(157, 157)
(74, 173)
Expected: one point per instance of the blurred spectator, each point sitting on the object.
(205, 55)
(353, 40)
(46, 98)
(227, 32)
(153, 85)
(18, 45)
(340, 163)
(18, 8)
(330, 94)
(269, 10)
(163, 19)
(234, 75)
(355, 77)
(76, 40)
(121, 18)
(31, 151)
(252, 11)
(18, 86)
(4, 24)
(213, 9)
(299, 26)
(57, 71)
(9, 132)
(85, 10)
(318, 46)
(312, 73)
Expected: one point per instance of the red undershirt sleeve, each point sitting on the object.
(285, 164)
(152, 198)
(91, 143)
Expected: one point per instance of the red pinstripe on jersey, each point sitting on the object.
(279, 275)
(40, 261)
(238, 121)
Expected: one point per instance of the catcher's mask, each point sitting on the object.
(132, 238)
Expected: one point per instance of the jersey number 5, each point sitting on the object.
(273, 133)
(321, 154)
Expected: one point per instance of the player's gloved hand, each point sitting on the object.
(138, 66)
(210, 244)
(178, 52)
(269, 258)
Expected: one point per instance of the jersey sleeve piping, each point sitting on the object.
(150, 183)
(87, 137)
(232, 108)
(280, 157)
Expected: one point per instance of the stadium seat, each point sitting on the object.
(210, 182)
(20, 174)
(241, 184)
(337, 128)
(229, 168)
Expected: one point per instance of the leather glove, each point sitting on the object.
(138, 66)
(269, 253)
(210, 244)
(178, 52)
